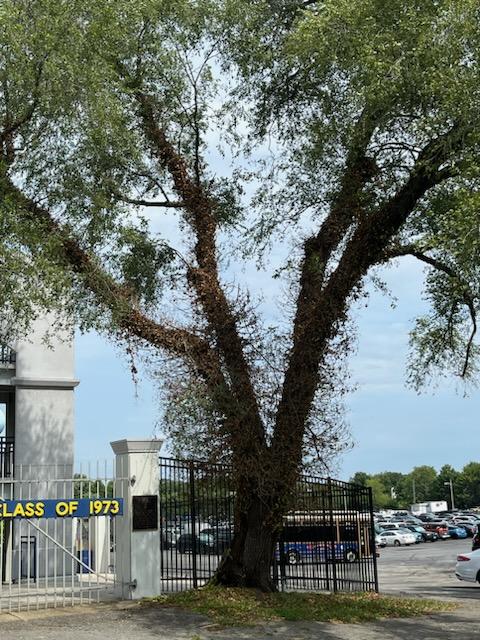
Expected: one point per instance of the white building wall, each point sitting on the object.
(43, 383)
(44, 399)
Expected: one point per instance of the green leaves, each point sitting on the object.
(143, 261)
(75, 143)
(329, 109)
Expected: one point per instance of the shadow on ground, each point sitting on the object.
(148, 623)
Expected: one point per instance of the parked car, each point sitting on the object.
(397, 538)
(439, 528)
(456, 532)
(461, 518)
(468, 566)
(427, 536)
(427, 517)
(471, 529)
(222, 538)
(467, 515)
(407, 520)
(379, 541)
(418, 536)
(413, 520)
(201, 542)
(389, 526)
(169, 536)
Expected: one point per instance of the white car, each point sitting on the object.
(468, 566)
(458, 520)
(396, 538)
(379, 541)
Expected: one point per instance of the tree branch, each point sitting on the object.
(468, 298)
(316, 324)
(10, 127)
(200, 212)
(167, 204)
(114, 296)
(304, 356)
(473, 317)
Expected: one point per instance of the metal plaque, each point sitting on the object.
(145, 513)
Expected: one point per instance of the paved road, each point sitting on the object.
(426, 570)
(160, 624)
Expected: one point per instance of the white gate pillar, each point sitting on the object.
(137, 553)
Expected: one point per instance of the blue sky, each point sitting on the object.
(393, 427)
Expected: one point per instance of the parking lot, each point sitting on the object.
(425, 570)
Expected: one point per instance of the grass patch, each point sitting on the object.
(245, 607)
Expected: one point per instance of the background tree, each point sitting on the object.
(442, 492)
(381, 498)
(429, 486)
(394, 484)
(361, 478)
(421, 483)
(108, 108)
(467, 486)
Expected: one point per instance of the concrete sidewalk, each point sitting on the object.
(124, 622)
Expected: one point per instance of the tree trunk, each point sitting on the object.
(249, 561)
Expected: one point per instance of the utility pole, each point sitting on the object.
(414, 492)
(450, 484)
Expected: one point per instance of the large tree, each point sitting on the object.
(370, 110)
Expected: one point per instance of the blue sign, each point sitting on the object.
(70, 508)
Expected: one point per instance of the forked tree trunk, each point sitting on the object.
(249, 561)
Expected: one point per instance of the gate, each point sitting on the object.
(327, 542)
(196, 516)
(57, 561)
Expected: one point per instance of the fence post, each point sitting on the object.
(333, 538)
(137, 553)
(193, 516)
(282, 561)
(372, 540)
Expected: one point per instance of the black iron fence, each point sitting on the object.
(7, 355)
(327, 542)
(196, 515)
(6, 457)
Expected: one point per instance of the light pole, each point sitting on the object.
(450, 484)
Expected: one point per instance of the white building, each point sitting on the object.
(37, 383)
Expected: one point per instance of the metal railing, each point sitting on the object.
(7, 355)
(52, 562)
(327, 542)
(7, 450)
